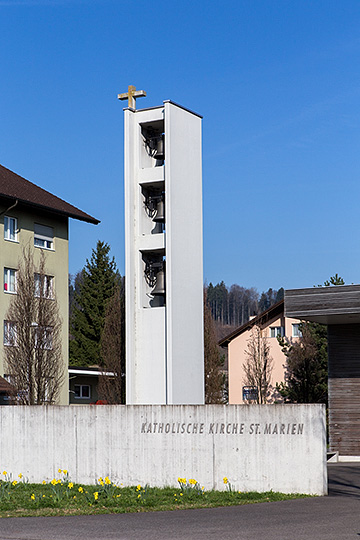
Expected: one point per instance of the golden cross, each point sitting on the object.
(131, 96)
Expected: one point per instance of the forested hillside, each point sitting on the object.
(233, 306)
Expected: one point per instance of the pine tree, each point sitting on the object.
(306, 377)
(306, 366)
(98, 281)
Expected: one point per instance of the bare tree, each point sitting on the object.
(258, 365)
(214, 379)
(111, 386)
(32, 335)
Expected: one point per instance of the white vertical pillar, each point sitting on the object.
(164, 336)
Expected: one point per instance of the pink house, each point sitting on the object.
(272, 324)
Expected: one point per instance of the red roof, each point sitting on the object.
(14, 187)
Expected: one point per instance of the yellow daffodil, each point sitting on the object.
(192, 481)
(4, 473)
(59, 471)
(225, 480)
(65, 471)
(107, 480)
(14, 482)
(80, 490)
(96, 495)
(71, 485)
(32, 497)
(20, 476)
(44, 482)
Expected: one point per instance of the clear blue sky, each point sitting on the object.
(278, 85)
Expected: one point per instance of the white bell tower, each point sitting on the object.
(163, 249)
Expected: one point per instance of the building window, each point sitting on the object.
(43, 236)
(10, 228)
(43, 285)
(82, 391)
(296, 332)
(9, 333)
(250, 393)
(9, 280)
(43, 337)
(277, 331)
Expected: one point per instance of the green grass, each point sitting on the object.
(61, 498)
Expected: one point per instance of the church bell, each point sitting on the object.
(158, 147)
(160, 212)
(159, 289)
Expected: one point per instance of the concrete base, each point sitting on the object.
(348, 459)
(257, 447)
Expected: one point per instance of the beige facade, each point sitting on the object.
(272, 323)
(56, 264)
(32, 217)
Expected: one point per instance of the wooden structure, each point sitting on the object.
(339, 308)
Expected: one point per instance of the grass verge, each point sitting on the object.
(60, 497)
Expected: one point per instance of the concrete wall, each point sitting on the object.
(278, 447)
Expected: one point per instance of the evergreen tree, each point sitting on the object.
(306, 366)
(306, 377)
(279, 295)
(88, 312)
(334, 280)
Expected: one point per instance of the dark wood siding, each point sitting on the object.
(324, 304)
(344, 388)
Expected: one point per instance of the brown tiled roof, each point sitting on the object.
(14, 187)
(263, 317)
(5, 387)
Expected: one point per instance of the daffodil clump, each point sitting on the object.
(62, 496)
(190, 486)
(8, 485)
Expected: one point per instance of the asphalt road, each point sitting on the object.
(336, 517)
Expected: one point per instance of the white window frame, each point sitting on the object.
(47, 286)
(9, 273)
(44, 334)
(43, 237)
(296, 332)
(10, 339)
(81, 386)
(8, 235)
(277, 331)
